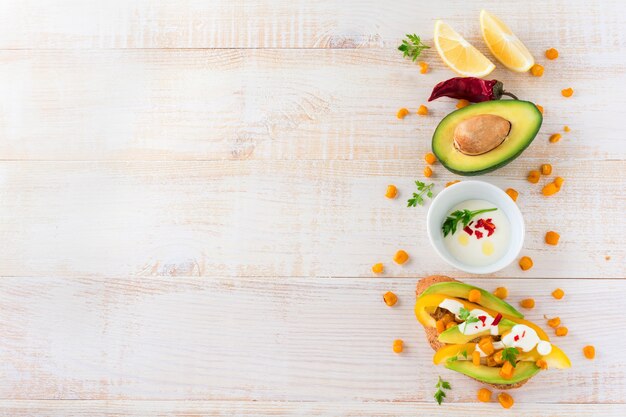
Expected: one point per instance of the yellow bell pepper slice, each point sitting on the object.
(555, 359)
(453, 351)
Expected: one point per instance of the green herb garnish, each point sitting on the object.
(464, 314)
(413, 47)
(464, 353)
(465, 216)
(418, 198)
(510, 354)
(441, 385)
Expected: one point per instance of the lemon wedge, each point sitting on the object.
(458, 54)
(504, 45)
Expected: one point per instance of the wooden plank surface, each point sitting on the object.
(292, 339)
(191, 198)
(280, 218)
(293, 24)
(64, 408)
(276, 104)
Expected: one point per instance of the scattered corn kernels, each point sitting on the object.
(484, 395)
(542, 364)
(552, 53)
(505, 400)
(512, 193)
(400, 257)
(589, 352)
(546, 169)
(536, 70)
(392, 191)
(398, 346)
(452, 183)
(462, 103)
(552, 238)
(527, 303)
(567, 92)
(558, 181)
(423, 67)
(476, 358)
(378, 268)
(402, 113)
(555, 138)
(501, 293)
(474, 296)
(566, 128)
(390, 298)
(430, 158)
(549, 189)
(525, 263)
(558, 293)
(561, 331)
(440, 326)
(422, 110)
(554, 322)
(533, 176)
(428, 172)
(539, 107)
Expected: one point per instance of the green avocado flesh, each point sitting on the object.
(491, 375)
(453, 335)
(525, 121)
(461, 290)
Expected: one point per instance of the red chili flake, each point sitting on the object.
(467, 230)
(470, 223)
(496, 320)
(480, 223)
(482, 318)
(516, 338)
(479, 234)
(524, 333)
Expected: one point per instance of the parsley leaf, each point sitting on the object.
(465, 216)
(464, 353)
(440, 394)
(510, 354)
(464, 314)
(413, 47)
(418, 198)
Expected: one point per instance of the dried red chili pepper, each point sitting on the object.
(478, 234)
(467, 230)
(471, 89)
(496, 320)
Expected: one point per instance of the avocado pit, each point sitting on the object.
(481, 134)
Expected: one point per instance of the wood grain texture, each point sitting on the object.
(293, 24)
(282, 218)
(283, 339)
(61, 408)
(188, 218)
(278, 104)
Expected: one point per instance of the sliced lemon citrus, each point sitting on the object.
(458, 54)
(504, 45)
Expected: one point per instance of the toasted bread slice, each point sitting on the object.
(432, 335)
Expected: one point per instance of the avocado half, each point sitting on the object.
(525, 121)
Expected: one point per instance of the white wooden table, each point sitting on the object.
(192, 198)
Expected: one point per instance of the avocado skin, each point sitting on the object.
(471, 173)
(490, 375)
(454, 289)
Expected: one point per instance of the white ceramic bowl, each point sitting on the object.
(470, 190)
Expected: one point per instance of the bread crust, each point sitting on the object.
(432, 335)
